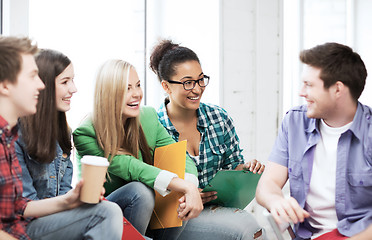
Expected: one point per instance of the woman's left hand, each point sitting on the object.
(252, 166)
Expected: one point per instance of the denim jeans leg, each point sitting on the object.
(216, 222)
(167, 233)
(137, 201)
(90, 221)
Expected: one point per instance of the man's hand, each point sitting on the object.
(44, 207)
(288, 210)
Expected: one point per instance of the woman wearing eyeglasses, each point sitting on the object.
(211, 140)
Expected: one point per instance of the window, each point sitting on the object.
(194, 24)
(91, 31)
(308, 23)
(1, 16)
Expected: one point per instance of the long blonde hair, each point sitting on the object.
(115, 135)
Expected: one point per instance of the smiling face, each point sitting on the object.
(179, 97)
(25, 92)
(65, 88)
(320, 101)
(133, 96)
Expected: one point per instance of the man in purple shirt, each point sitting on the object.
(324, 148)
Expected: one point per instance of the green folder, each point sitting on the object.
(234, 188)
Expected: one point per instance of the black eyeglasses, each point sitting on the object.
(190, 84)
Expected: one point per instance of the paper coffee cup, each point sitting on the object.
(93, 172)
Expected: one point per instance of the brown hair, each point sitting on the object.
(166, 55)
(47, 121)
(11, 49)
(113, 134)
(337, 62)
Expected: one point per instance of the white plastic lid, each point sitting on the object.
(94, 160)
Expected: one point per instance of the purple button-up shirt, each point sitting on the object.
(294, 149)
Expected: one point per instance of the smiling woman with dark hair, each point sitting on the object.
(211, 140)
(46, 166)
(43, 150)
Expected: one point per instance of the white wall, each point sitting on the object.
(312, 22)
(193, 24)
(251, 63)
(244, 38)
(362, 42)
(15, 17)
(242, 42)
(89, 32)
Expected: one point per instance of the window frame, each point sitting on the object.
(1, 17)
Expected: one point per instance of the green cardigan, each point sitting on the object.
(126, 168)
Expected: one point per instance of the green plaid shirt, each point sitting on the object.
(219, 144)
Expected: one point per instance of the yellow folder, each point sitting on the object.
(171, 158)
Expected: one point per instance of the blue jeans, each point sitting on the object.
(89, 221)
(137, 201)
(166, 233)
(216, 222)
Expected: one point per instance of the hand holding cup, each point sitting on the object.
(94, 170)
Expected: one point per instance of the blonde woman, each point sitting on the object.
(127, 135)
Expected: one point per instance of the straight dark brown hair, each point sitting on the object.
(43, 130)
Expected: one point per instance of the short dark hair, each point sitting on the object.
(166, 55)
(11, 49)
(337, 62)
